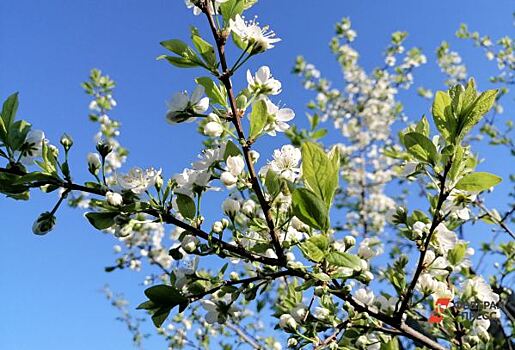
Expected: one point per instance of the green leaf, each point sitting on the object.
(423, 127)
(475, 113)
(186, 206)
(102, 220)
(231, 150)
(205, 49)
(216, 93)
(456, 254)
(165, 295)
(442, 116)
(180, 62)
(420, 147)
(344, 260)
(258, 118)
(310, 209)
(17, 134)
(231, 8)
(147, 305)
(180, 48)
(9, 109)
(272, 183)
(320, 172)
(477, 182)
(315, 247)
(160, 316)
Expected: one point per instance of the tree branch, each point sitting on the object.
(225, 78)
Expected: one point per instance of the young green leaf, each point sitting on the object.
(320, 172)
(476, 182)
(258, 118)
(186, 206)
(205, 49)
(101, 220)
(216, 93)
(231, 150)
(310, 209)
(315, 247)
(442, 115)
(420, 147)
(9, 109)
(344, 260)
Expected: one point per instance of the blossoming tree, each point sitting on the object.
(296, 239)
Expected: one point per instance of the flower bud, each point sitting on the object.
(228, 179)
(349, 241)
(292, 342)
(218, 227)
(248, 207)
(254, 156)
(286, 321)
(234, 276)
(189, 243)
(114, 199)
(94, 163)
(66, 142)
(104, 148)
(225, 223)
(213, 129)
(44, 224)
(231, 207)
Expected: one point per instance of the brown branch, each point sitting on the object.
(501, 223)
(437, 219)
(225, 79)
(164, 216)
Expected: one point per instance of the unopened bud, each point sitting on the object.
(44, 224)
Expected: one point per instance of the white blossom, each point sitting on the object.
(280, 117)
(263, 83)
(257, 38)
(184, 108)
(138, 180)
(364, 296)
(114, 199)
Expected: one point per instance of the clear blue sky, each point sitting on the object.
(49, 286)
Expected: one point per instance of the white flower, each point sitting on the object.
(235, 165)
(114, 199)
(445, 239)
(419, 228)
(286, 321)
(218, 227)
(32, 148)
(228, 179)
(286, 162)
(257, 38)
(279, 118)
(181, 274)
(369, 248)
(248, 208)
(263, 83)
(349, 241)
(213, 129)
(184, 108)
(365, 297)
(94, 162)
(138, 180)
(231, 207)
(189, 243)
(481, 290)
(321, 313)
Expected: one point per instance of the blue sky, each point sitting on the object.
(50, 286)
